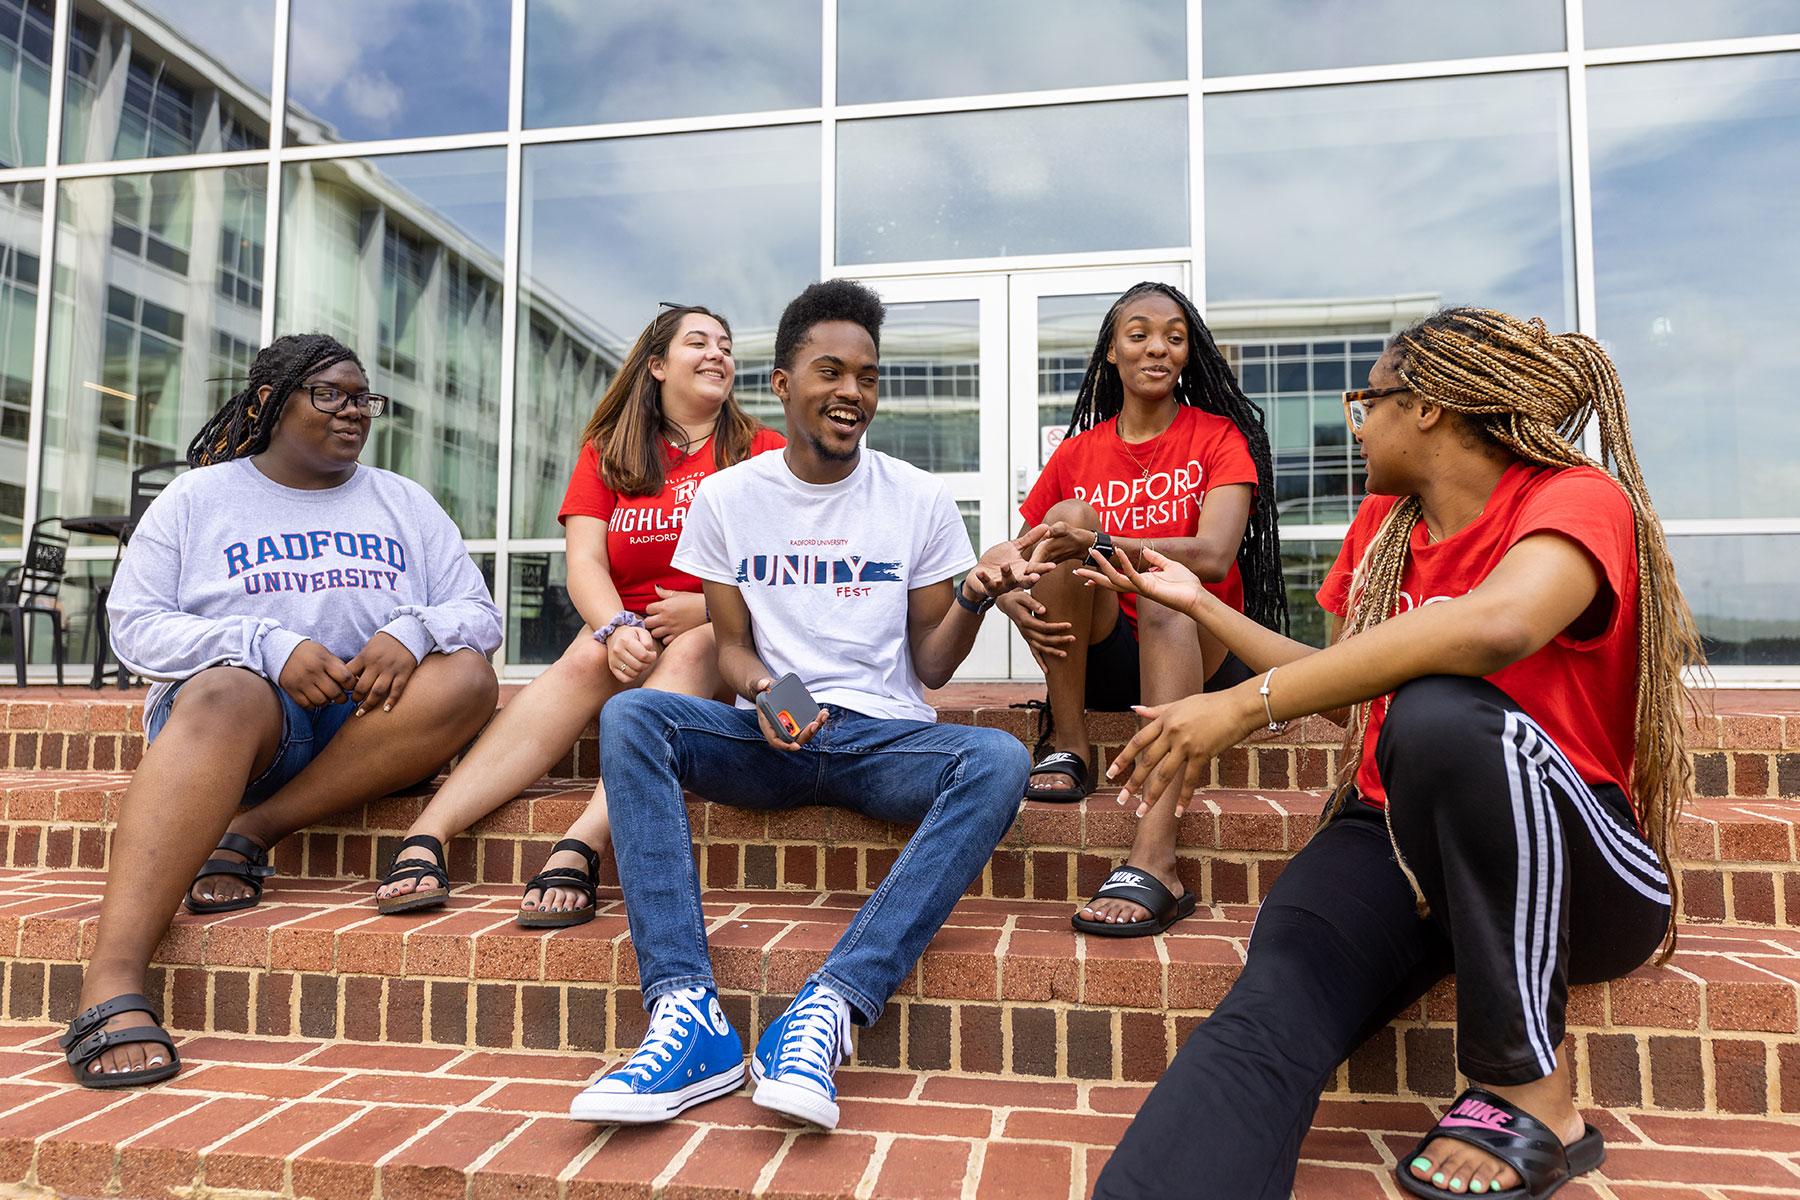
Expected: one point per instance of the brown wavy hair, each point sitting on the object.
(628, 424)
(1516, 384)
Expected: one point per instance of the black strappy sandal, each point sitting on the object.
(1141, 888)
(569, 877)
(1515, 1137)
(253, 870)
(87, 1039)
(416, 869)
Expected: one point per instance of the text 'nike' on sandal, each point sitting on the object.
(87, 1039)
(253, 870)
(565, 877)
(417, 870)
(1489, 1123)
(1142, 888)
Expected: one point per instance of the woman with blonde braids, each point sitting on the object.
(1511, 654)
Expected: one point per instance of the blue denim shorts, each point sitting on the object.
(304, 733)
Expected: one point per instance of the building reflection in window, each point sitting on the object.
(400, 257)
(162, 77)
(158, 290)
(728, 219)
(1390, 199)
(1251, 37)
(21, 232)
(26, 38)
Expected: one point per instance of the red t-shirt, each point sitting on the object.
(1582, 691)
(1150, 489)
(641, 531)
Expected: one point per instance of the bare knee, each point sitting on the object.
(224, 700)
(1165, 626)
(468, 679)
(585, 660)
(686, 661)
(1073, 512)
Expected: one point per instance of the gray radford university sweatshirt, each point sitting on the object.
(230, 568)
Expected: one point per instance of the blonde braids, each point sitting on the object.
(1533, 392)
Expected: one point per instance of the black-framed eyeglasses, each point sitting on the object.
(331, 400)
(1356, 404)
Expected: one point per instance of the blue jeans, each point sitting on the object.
(304, 734)
(959, 783)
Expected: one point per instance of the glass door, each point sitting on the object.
(943, 408)
(1054, 321)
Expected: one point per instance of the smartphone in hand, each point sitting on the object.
(788, 706)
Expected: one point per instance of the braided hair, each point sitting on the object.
(1532, 392)
(246, 422)
(1207, 383)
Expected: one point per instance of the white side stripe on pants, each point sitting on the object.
(1537, 897)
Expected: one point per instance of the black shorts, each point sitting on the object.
(1113, 682)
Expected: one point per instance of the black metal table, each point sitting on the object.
(116, 526)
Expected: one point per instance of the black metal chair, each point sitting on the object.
(145, 487)
(30, 590)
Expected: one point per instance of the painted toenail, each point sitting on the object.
(1438, 1179)
(1421, 1163)
(1477, 1187)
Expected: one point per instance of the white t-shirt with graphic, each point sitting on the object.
(825, 570)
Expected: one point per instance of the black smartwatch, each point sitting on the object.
(975, 606)
(1104, 544)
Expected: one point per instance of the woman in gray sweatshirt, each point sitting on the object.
(319, 638)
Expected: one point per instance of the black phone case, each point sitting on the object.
(788, 706)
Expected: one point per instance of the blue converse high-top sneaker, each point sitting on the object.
(797, 1054)
(689, 1055)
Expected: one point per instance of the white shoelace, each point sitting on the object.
(669, 1022)
(819, 1034)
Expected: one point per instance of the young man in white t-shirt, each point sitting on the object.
(836, 563)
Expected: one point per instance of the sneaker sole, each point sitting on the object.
(623, 1108)
(793, 1100)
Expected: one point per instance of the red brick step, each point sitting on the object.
(297, 1117)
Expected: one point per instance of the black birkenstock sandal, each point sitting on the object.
(1070, 766)
(416, 869)
(252, 871)
(568, 877)
(1141, 888)
(87, 1039)
(1489, 1123)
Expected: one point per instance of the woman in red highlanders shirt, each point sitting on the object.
(1512, 655)
(667, 420)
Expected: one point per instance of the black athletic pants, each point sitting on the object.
(1535, 880)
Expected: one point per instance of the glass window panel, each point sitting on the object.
(401, 258)
(727, 219)
(134, 336)
(1248, 37)
(1646, 22)
(930, 392)
(1067, 329)
(402, 68)
(929, 48)
(177, 77)
(25, 43)
(1303, 567)
(21, 233)
(1695, 170)
(541, 620)
(665, 60)
(1336, 216)
(1742, 592)
(1013, 181)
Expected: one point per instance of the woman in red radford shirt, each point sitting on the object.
(1509, 641)
(667, 420)
(1165, 453)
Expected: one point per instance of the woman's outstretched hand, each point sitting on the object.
(1167, 759)
(1167, 582)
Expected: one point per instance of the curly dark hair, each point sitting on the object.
(830, 300)
(1206, 383)
(245, 423)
